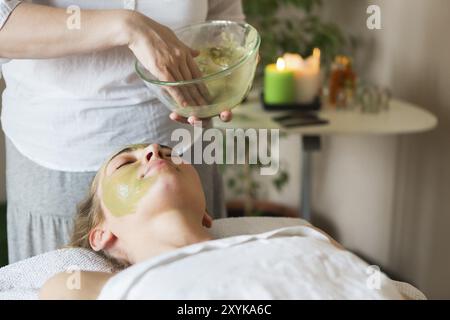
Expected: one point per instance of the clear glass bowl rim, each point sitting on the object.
(214, 75)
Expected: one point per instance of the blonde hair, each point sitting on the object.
(90, 214)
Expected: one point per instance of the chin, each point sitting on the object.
(164, 195)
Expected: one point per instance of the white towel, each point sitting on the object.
(288, 263)
(22, 280)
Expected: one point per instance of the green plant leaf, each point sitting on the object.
(292, 33)
(281, 180)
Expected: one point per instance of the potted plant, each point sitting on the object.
(247, 188)
(293, 26)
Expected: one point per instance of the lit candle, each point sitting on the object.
(306, 74)
(279, 84)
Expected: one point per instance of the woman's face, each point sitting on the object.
(141, 182)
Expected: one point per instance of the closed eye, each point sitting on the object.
(168, 154)
(124, 164)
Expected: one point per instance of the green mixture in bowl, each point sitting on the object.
(214, 59)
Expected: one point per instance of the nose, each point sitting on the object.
(153, 151)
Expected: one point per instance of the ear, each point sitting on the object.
(100, 239)
(207, 220)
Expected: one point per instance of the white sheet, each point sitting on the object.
(288, 263)
(22, 280)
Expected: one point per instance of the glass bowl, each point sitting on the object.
(228, 60)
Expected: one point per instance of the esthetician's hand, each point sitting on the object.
(165, 56)
(225, 116)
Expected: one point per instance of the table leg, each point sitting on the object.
(310, 144)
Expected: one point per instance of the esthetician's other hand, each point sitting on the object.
(169, 59)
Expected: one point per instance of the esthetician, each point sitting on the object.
(72, 98)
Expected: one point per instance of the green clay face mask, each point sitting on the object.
(122, 190)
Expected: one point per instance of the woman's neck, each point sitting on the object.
(172, 230)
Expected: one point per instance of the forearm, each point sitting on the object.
(35, 31)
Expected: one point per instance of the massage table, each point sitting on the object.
(22, 280)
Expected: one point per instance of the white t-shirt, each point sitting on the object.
(71, 113)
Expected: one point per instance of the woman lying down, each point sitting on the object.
(149, 213)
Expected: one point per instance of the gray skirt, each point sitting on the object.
(42, 203)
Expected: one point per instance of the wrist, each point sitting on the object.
(133, 25)
(126, 26)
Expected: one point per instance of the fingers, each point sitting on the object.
(175, 93)
(192, 120)
(184, 95)
(196, 74)
(195, 121)
(182, 67)
(193, 91)
(184, 89)
(226, 116)
(194, 53)
(176, 117)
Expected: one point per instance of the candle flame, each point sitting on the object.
(281, 64)
(293, 61)
(316, 53)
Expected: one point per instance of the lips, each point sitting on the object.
(155, 165)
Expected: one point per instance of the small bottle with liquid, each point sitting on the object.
(342, 83)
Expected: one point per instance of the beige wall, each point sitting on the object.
(388, 198)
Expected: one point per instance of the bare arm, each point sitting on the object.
(34, 31)
(63, 287)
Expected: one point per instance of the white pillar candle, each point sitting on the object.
(307, 75)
